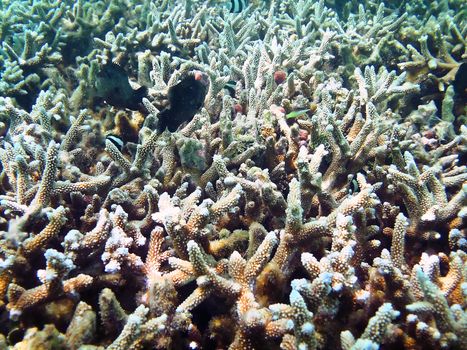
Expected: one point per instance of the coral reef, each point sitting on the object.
(316, 198)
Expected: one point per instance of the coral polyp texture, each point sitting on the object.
(309, 191)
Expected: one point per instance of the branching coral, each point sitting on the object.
(319, 189)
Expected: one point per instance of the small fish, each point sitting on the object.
(237, 6)
(460, 80)
(230, 87)
(117, 141)
(355, 187)
(296, 114)
(185, 99)
(113, 86)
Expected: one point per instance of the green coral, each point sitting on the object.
(191, 154)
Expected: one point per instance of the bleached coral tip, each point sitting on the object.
(271, 236)
(191, 244)
(295, 296)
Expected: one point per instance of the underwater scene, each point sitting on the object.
(233, 174)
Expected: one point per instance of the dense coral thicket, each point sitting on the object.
(316, 200)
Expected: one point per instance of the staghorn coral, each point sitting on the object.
(450, 321)
(319, 190)
(374, 332)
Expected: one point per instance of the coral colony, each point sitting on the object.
(199, 174)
